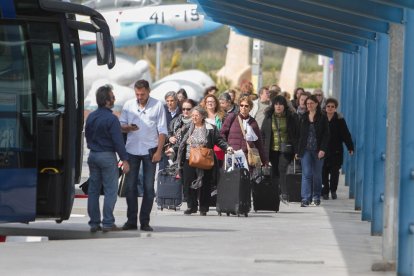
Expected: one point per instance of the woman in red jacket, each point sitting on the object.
(232, 130)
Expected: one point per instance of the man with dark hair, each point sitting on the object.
(144, 120)
(104, 138)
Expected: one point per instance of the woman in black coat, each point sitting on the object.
(279, 127)
(198, 181)
(339, 134)
(312, 147)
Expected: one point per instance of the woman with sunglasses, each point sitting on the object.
(178, 125)
(233, 133)
(339, 134)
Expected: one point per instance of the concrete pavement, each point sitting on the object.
(326, 240)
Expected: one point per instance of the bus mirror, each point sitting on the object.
(100, 49)
(111, 55)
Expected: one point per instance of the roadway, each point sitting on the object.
(326, 240)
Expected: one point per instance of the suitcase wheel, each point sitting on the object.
(228, 214)
(246, 215)
(219, 213)
(162, 208)
(255, 211)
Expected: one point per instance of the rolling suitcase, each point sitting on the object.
(169, 189)
(294, 183)
(233, 191)
(265, 192)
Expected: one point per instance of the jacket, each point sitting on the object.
(322, 132)
(267, 133)
(339, 134)
(232, 132)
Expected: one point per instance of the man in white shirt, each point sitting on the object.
(144, 120)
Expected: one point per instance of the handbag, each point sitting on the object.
(201, 158)
(253, 156)
(284, 147)
(219, 152)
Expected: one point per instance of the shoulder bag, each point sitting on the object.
(201, 157)
(253, 156)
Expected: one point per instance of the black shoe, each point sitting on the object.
(334, 196)
(304, 203)
(146, 227)
(127, 226)
(202, 213)
(96, 228)
(190, 211)
(112, 228)
(325, 197)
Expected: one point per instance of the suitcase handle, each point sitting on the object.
(294, 166)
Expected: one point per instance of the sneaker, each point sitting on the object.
(304, 203)
(316, 202)
(202, 213)
(334, 195)
(95, 228)
(146, 227)
(127, 226)
(325, 197)
(111, 229)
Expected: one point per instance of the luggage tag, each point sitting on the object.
(232, 161)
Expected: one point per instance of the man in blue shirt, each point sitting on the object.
(104, 138)
(144, 120)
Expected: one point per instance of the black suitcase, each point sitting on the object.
(265, 193)
(294, 183)
(169, 189)
(233, 192)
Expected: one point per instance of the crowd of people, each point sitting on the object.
(307, 128)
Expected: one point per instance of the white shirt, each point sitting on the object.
(151, 121)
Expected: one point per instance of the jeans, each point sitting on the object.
(279, 167)
(132, 189)
(330, 183)
(311, 175)
(103, 168)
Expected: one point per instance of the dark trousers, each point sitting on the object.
(279, 167)
(330, 178)
(201, 195)
(131, 178)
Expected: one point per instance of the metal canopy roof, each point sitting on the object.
(318, 26)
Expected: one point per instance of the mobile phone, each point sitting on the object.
(134, 125)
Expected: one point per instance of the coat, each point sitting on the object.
(232, 132)
(267, 133)
(322, 132)
(213, 138)
(339, 134)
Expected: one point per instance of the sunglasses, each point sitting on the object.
(186, 109)
(244, 105)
